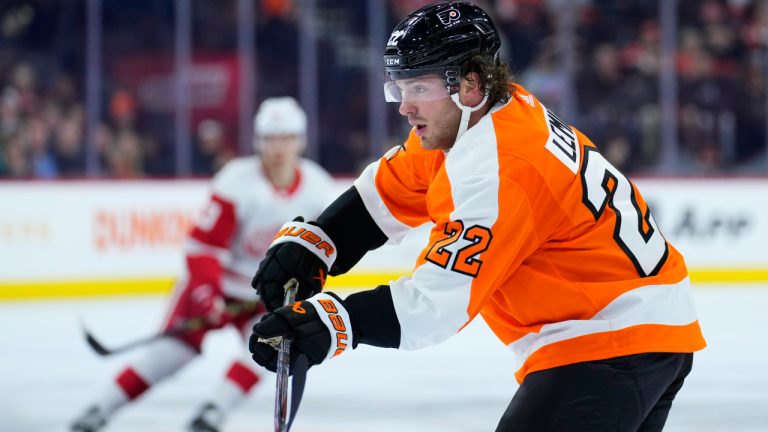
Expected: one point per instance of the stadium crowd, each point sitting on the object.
(720, 68)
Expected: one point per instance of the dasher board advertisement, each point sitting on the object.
(88, 237)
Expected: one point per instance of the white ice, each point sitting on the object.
(48, 375)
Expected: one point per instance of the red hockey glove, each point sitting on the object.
(205, 297)
(207, 301)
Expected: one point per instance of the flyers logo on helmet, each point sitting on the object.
(449, 16)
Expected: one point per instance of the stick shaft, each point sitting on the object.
(283, 366)
(192, 324)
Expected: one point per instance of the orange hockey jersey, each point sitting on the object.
(536, 231)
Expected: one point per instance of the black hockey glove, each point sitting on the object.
(320, 328)
(300, 250)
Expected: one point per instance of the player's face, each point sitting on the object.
(279, 150)
(436, 121)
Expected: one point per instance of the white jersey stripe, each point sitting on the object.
(651, 304)
(388, 223)
(433, 305)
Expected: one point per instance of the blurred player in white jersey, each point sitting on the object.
(251, 199)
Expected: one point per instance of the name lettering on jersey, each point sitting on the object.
(307, 236)
(562, 141)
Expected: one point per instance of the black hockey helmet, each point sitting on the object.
(436, 39)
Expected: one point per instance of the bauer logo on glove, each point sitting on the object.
(320, 328)
(337, 324)
(300, 250)
(309, 236)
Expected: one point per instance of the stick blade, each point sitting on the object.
(95, 345)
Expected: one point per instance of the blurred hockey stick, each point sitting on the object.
(234, 309)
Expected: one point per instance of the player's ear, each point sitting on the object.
(470, 84)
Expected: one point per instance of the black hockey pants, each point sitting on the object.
(623, 394)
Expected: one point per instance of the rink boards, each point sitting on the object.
(77, 238)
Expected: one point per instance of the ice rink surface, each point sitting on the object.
(48, 374)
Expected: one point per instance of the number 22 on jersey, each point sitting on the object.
(466, 261)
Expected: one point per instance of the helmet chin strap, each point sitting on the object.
(465, 113)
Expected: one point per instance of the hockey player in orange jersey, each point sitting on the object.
(533, 229)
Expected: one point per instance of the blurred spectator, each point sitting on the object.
(51, 113)
(68, 148)
(209, 153)
(706, 98)
(124, 157)
(64, 90)
(38, 139)
(276, 8)
(599, 83)
(544, 78)
(122, 110)
(23, 81)
(104, 140)
(15, 163)
(10, 112)
(751, 114)
(157, 163)
(609, 96)
(526, 23)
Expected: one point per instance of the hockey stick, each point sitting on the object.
(187, 326)
(283, 346)
(283, 367)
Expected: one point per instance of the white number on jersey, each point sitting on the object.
(605, 185)
(209, 216)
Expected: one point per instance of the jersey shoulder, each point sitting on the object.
(411, 160)
(236, 176)
(529, 133)
(314, 172)
(539, 156)
(502, 142)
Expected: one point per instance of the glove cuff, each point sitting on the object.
(311, 237)
(335, 316)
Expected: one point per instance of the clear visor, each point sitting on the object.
(421, 85)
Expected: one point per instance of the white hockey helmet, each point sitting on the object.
(279, 116)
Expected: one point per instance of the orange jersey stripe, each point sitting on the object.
(634, 340)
